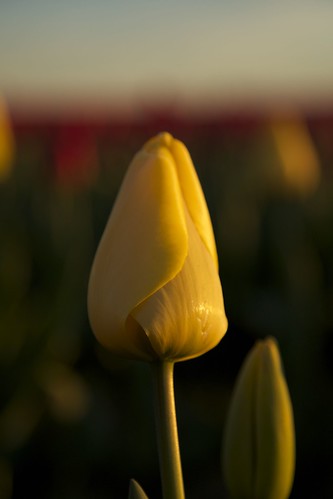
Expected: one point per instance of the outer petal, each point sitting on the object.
(191, 188)
(144, 246)
(275, 436)
(194, 196)
(186, 318)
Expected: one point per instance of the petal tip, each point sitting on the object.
(163, 139)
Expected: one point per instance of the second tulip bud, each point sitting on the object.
(259, 444)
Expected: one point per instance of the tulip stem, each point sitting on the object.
(167, 432)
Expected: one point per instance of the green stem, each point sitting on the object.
(167, 433)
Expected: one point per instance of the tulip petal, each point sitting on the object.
(191, 189)
(275, 420)
(186, 317)
(144, 246)
(194, 196)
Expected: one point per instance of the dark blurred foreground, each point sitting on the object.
(77, 423)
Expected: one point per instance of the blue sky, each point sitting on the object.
(190, 49)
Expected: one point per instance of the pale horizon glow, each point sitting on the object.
(188, 50)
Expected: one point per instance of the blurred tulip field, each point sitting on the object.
(77, 422)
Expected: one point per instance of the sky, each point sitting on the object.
(188, 49)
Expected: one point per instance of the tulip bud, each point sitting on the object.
(154, 289)
(259, 446)
(6, 142)
(296, 154)
(136, 491)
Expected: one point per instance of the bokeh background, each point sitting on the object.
(248, 87)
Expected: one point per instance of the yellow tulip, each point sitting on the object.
(298, 158)
(154, 290)
(259, 446)
(6, 142)
(136, 491)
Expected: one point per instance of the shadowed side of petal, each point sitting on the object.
(144, 245)
(239, 449)
(276, 442)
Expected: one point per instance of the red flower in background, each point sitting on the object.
(75, 156)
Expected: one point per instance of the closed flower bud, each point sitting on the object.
(259, 445)
(154, 289)
(136, 491)
(6, 142)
